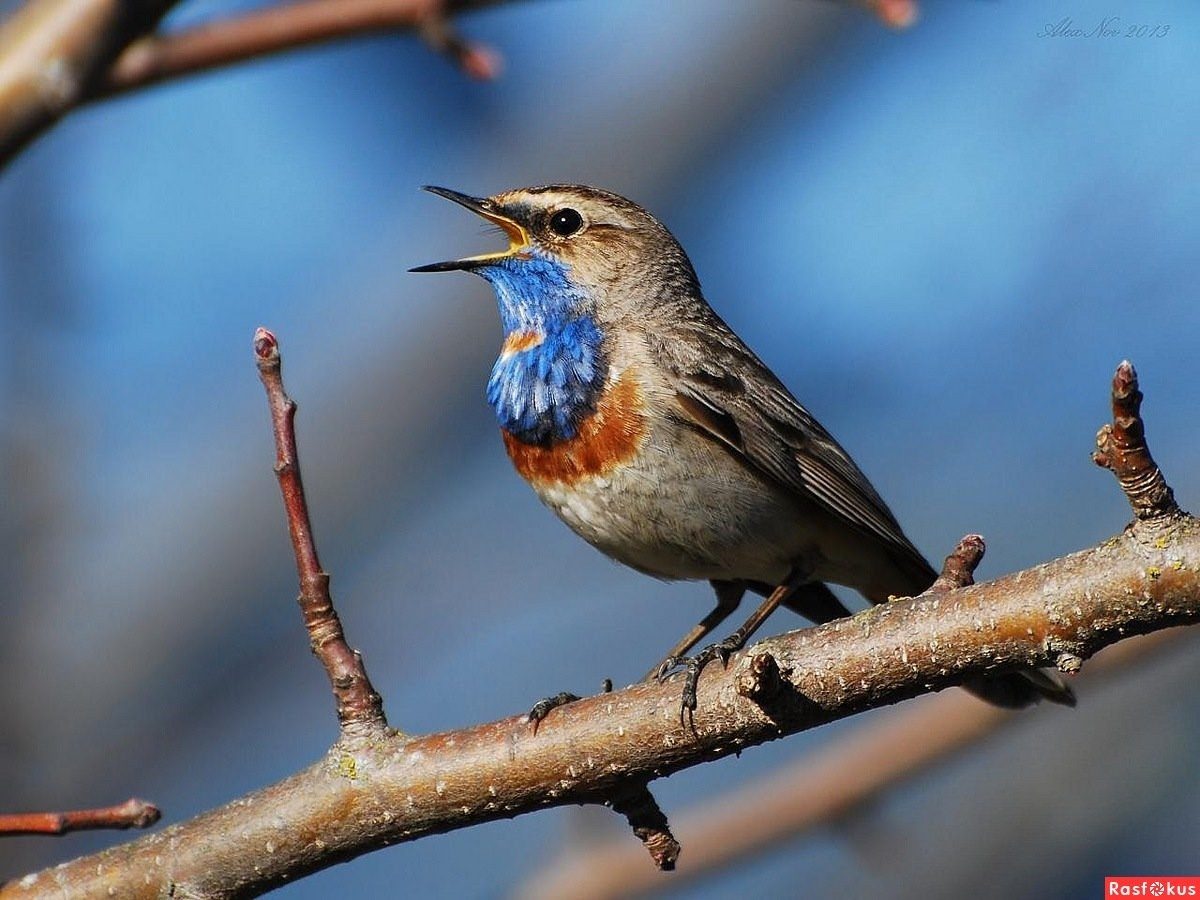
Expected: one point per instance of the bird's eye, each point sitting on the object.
(566, 222)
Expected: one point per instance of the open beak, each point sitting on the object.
(518, 237)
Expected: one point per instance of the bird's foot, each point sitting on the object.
(542, 708)
(694, 665)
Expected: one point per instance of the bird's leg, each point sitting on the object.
(722, 649)
(729, 595)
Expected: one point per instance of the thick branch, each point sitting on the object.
(817, 789)
(398, 789)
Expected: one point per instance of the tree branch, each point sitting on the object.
(817, 789)
(133, 813)
(288, 26)
(367, 794)
(51, 55)
(58, 54)
(359, 707)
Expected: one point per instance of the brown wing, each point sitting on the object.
(726, 391)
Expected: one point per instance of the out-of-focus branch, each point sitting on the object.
(288, 26)
(133, 813)
(57, 54)
(51, 55)
(359, 707)
(893, 13)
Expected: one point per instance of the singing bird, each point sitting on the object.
(657, 435)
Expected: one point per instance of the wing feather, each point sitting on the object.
(729, 393)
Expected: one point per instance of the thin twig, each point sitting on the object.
(480, 62)
(133, 813)
(359, 707)
(275, 29)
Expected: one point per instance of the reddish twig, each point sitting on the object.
(133, 813)
(1121, 448)
(288, 26)
(359, 707)
(480, 62)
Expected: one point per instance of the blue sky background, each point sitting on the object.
(943, 240)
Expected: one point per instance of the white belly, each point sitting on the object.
(688, 513)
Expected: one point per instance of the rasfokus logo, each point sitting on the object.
(1152, 886)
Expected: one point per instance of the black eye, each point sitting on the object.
(566, 222)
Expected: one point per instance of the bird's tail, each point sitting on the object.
(1014, 690)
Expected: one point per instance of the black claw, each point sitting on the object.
(693, 666)
(542, 708)
(689, 686)
(665, 667)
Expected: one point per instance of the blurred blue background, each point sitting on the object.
(942, 239)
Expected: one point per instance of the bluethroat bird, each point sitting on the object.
(645, 423)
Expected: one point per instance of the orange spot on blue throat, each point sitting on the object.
(611, 435)
(518, 341)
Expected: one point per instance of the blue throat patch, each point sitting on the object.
(547, 380)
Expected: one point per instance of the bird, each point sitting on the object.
(656, 434)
